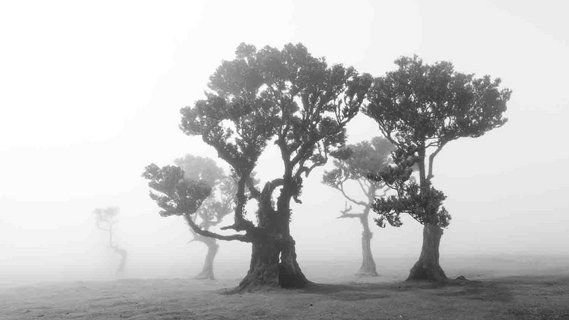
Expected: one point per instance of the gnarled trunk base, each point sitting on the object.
(427, 268)
(273, 265)
(290, 275)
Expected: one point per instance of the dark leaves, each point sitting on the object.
(424, 205)
(174, 194)
(285, 95)
(419, 106)
(420, 102)
(358, 161)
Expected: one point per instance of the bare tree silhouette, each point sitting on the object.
(105, 219)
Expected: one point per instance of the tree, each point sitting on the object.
(420, 108)
(284, 97)
(213, 209)
(105, 219)
(359, 161)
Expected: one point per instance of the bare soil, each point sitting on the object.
(519, 297)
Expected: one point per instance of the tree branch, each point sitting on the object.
(206, 233)
(341, 188)
(362, 187)
(255, 193)
(432, 159)
(387, 134)
(351, 215)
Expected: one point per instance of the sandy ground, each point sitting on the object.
(519, 297)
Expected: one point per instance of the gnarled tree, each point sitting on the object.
(420, 108)
(211, 212)
(354, 165)
(284, 97)
(105, 219)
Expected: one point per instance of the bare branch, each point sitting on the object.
(341, 189)
(351, 215)
(346, 213)
(362, 186)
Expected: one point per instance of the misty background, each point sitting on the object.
(91, 93)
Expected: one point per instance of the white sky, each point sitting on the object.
(90, 93)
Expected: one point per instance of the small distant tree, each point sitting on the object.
(284, 97)
(354, 165)
(420, 108)
(214, 208)
(105, 219)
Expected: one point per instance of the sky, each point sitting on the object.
(90, 94)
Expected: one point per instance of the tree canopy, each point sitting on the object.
(420, 108)
(283, 96)
(221, 200)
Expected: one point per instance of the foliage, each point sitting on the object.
(355, 163)
(105, 218)
(420, 108)
(221, 201)
(174, 194)
(283, 96)
(200, 168)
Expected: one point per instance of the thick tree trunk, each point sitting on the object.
(427, 267)
(273, 264)
(207, 270)
(290, 275)
(368, 268)
(273, 258)
(264, 267)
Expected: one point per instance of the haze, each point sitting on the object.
(91, 93)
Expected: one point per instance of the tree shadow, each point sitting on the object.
(475, 290)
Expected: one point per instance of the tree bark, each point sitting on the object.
(264, 266)
(122, 252)
(428, 267)
(368, 268)
(273, 258)
(273, 264)
(207, 270)
(290, 275)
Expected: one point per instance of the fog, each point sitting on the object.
(91, 95)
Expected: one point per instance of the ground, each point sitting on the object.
(519, 297)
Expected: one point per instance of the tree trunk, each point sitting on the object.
(207, 270)
(427, 267)
(122, 252)
(264, 266)
(368, 268)
(290, 275)
(273, 264)
(273, 258)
